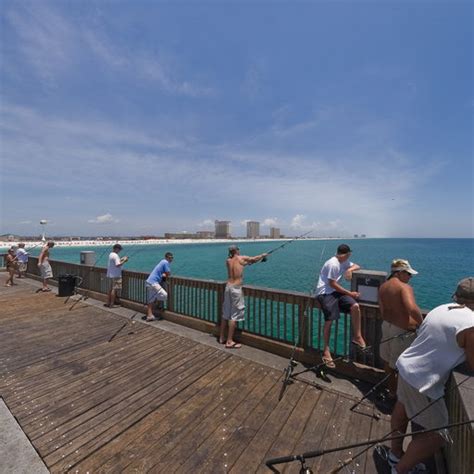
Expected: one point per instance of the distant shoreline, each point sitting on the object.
(105, 243)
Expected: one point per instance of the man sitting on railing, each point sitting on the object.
(334, 298)
(234, 304)
(445, 340)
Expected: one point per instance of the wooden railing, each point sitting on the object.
(283, 316)
(460, 401)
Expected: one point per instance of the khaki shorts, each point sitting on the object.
(22, 267)
(46, 270)
(115, 284)
(234, 303)
(390, 351)
(414, 401)
(155, 292)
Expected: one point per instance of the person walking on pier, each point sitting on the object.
(114, 275)
(400, 314)
(234, 304)
(445, 339)
(22, 257)
(334, 298)
(156, 286)
(11, 265)
(44, 265)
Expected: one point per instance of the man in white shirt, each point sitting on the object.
(22, 257)
(114, 274)
(445, 339)
(334, 298)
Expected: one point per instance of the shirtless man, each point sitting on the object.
(234, 304)
(400, 314)
(45, 266)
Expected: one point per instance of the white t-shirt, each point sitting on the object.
(427, 363)
(114, 271)
(333, 269)
(22, 255)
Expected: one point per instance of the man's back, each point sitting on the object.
(235, 270)
(397, 304)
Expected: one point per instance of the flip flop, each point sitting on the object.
(234, 345)
(359, 346)
(329, 363)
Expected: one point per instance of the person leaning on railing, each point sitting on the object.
(401, 317)
(445, 339)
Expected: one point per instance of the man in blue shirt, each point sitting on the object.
(156, 286)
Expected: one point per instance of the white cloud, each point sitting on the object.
(270, 221)
(104, 219)
(206, 223)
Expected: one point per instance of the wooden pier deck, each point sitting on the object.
(152, 401)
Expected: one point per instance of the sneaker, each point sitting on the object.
(394, 460)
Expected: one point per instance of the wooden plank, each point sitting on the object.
(183, 440)
(212, 456)
(255, 452)
(143, 436)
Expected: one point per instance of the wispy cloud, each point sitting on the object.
(54, 46)
(104, 219)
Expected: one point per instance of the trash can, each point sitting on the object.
(88, 258)
(66, 285)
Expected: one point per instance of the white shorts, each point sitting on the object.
(414, 401)
(155, 292)
(46, 270)
(234, 303)
(390, 351)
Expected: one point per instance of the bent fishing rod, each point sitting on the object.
(264, 259)
(321, 452)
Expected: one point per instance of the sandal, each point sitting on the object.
(234, 345)
(329, 363)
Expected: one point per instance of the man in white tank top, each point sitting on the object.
(445, 340)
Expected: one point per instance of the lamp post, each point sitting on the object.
(43, 222)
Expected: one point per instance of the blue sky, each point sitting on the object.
(144, 117)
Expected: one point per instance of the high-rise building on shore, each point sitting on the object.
(274, 233)
(222, 229)
(253, 230)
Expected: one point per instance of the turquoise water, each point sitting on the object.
(441, 263)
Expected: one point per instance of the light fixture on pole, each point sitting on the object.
(43, 222)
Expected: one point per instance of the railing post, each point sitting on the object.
(303, 322)
(220, 302)
(170, 302)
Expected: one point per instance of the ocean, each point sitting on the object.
(441, 263)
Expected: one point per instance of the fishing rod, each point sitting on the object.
(368, 349)
(321, 452)
(351, 459)
(120, 329)
(288, 371)
(264, 259)
(375, 387)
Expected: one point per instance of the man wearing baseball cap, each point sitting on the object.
(400, 314)
(114, 275)
(334, 298)
(445, 340)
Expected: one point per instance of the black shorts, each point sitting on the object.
(335, 303)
